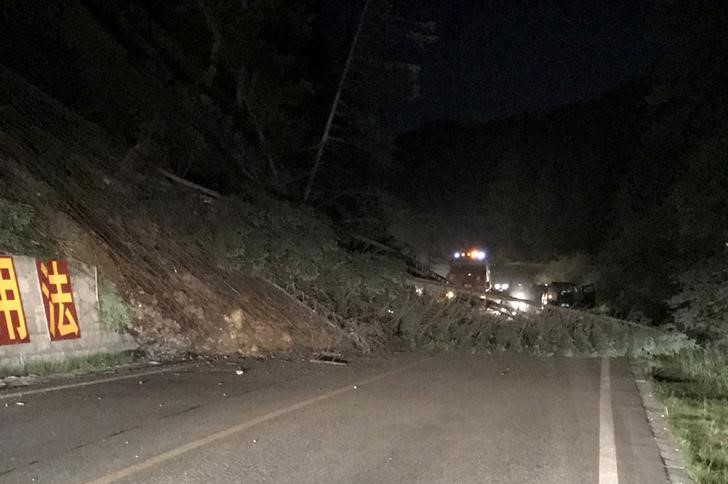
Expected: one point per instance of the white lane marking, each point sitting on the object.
(196, 444)
(608, 473)
(56, 388)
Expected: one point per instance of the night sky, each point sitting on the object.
(501, 57)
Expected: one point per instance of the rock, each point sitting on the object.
(18, 381)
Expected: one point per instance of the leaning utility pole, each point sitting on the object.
(334, 106)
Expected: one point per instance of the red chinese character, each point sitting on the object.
(55, 287)
(12, 320)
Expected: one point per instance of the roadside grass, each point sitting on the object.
(693, 386)
(80, 364)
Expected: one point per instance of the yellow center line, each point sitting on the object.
(196, 444)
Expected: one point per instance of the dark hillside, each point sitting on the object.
(151, 239)
(146, 72)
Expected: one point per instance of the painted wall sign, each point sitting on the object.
(60, 310)
(12, 319)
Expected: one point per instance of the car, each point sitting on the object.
(568, 295)
(561, 294)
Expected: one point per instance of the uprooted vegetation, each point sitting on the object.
(553, 331)
(196, 272)
(74, 177)
(367, 294)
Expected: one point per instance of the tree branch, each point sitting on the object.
(189, 184)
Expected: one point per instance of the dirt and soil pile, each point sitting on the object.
(149, 237)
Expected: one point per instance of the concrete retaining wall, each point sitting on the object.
(60, 311)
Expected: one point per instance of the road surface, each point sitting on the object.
(445, 418)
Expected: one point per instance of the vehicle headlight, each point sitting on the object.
(450, 294)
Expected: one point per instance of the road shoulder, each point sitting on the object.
(669, 451)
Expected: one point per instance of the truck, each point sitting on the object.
(469, 269)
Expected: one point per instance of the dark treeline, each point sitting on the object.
(638, 180)
(235, 95)
(232, 94)
(533, 185)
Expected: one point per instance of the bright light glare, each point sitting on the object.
(519, 295)
(450, 294)
(519, 306)
(457, 255)
(419, 291)
(479, 254)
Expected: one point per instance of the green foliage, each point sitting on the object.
(668, 254)
(297, 249)
(694, 388)
(15, 221)
(673, 213)
(278, 242)
(17, 233)
(701, 307)
(113, 310)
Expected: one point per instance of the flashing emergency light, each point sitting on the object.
(473, 254)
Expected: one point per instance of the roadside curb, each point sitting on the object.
(670, 454)
(70, 380)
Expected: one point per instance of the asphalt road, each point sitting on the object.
(445, 418)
